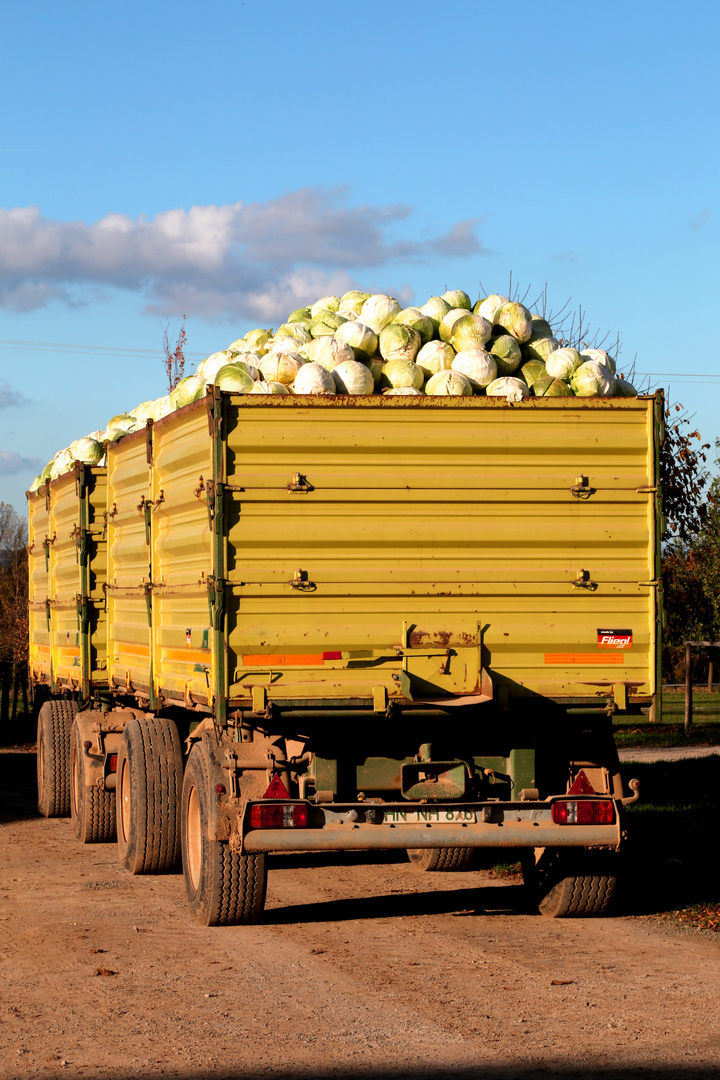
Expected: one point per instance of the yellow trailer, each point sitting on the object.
(377, 622)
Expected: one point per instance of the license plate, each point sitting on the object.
(431, 816)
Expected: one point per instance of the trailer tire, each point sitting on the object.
(54, 731)
(448, 859)
(92, 809)
(564, 888)
(149, 783)
(223, 887)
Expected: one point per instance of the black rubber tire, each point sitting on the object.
(223, 887)
(447, 859)
(54, 729)
(565, 887)
(149, 783)
(92, 809)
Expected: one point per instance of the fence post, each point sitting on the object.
(688, 688)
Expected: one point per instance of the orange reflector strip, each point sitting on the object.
(288, 659)
(571, 658)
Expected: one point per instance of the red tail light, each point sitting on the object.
(587, 812)
(112, 763)
(275, 815)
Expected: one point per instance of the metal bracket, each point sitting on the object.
(582, 581)
(581, 488)
(300, 483)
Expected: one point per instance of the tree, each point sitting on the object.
(13, 588)
(174, 357)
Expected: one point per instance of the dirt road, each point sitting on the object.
(360, 968)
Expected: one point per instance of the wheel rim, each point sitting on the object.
(194, 837)
(124, 801)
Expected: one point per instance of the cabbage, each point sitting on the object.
(477, 366)
(448, 321)
(623, 388)
(88, 450)
(234, 377)
(448, 384)
(37, 482)
(122, 424)
(325, 303)
(436, 309)
(435, 356)
(601, 357)
(539, 348)
(256, 341)
(302, 315)
(413, 317)
(398, 373)
(252, 370)
(540, 328)
(398, 342)
(532, 370)
(592, 379)
(561, 363)
(470, 332)
(314, 379)
(239, 345)
(378, 311)
(353, 299)
(141, 413)
(507, 354)
(508, 387)
(62, 463)
(403, 391)
(546, 386)
(269, 388)
(329, 352)
(296, 332)
(45, 474)
(188, 389)
(352, 377)
(280, 367)
(325, 323)
(516, 319)
(456, 298)
(160, 407)
(209, 367)
(362, 339)
(489, 305)
(375, 366)
(282, 346)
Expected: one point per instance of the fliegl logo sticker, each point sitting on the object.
(614, 639)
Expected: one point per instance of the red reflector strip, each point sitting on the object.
(274, 815)
(267, 660)
(587, 812)
(112, 763)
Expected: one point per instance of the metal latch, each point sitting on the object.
(581, 488)
(582, 581)
(301, 581)
(300, 483)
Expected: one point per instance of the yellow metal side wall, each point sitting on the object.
(181, 556)
(448, 519)
(129, 656)
(38, 588)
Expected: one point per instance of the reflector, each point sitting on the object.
(581, 785)
(276, 789)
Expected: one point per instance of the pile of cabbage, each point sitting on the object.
(363, 343)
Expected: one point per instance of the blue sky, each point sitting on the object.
(230, 161)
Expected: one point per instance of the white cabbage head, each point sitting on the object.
(515, 319)
(539, 348)
(314, 379)
(448, 321)
(435, 356)
(436, 309)
(403, 391)
(326, 323)
(329, 352)
(478, 366)
(397, 373)
(470, 332)
(122, 424)
(378, 311)
(188, 389)
(561, 363)
(508, 387)
(352, 377)
(261, 387)
(325, 303)
(507, 354)
(399, 342)
(280, 367)
(600, 356)
(448, 384)
(413, 317)
(209, 367)
(362, 339)
(592, 379)
(256, 341)
(234, 377)
(456, 298)
(623, 388)
(61, 463)
(88, 450)
(160, 407)
(490, 304)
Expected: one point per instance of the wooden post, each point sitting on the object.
(710, 676)
(688, 688)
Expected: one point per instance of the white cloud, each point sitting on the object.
(255, 260)
(12, 463)
(9, 397)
